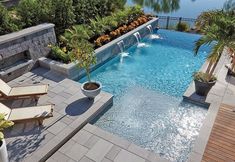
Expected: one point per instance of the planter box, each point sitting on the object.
(103, 54)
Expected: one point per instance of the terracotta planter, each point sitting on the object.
(203, 88)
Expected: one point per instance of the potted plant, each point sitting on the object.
(220, 32)
(203, 83)
(84, 56)
(3, 148)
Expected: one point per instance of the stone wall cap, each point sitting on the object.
(25, 32)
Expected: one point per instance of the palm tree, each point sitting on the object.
(219, 31)
(76, 34)
(205, 19)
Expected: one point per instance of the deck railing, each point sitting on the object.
(167, 22)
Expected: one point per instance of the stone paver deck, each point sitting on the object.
(28, 141)
(92, 144)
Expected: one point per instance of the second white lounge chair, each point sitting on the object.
(25, 114)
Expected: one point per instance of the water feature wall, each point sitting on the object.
(19, 51)
(103, 54)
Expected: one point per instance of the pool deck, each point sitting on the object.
(92, 144)
(30, 142)
(222, 92)
(221, 144)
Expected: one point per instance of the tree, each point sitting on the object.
(76, 34)
(59, 12)
(83, 55)
(219, 32)
(206, 19)
(62, 14)
(29, 12)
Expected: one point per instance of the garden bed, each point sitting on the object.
(96, 33)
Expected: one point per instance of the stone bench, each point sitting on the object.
(15, 70)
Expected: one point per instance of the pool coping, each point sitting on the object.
(212, 101)
(99, 145)
(103, 54)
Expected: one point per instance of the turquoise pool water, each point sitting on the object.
(148, 82)
(180, 8)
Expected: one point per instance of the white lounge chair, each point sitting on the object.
(26, 114)
(32, 91)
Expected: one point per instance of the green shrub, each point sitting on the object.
(58, 12)
(75, 34)
(60, 54)
(100, 26)
(87, 9)
(7, 24)
(182, 26)
(29, 12)
(134, 12)
(87, 33)
(4, 124)
(62, 14)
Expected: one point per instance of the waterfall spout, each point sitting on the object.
(150, 28)
(137, 36)
(121, 46)
(123, 54)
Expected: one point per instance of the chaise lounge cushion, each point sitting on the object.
(31, 112)
(26, 113)
(28, 90)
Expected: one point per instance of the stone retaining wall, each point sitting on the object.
(33, 40)
(103, 54)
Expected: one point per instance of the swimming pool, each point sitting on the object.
(148, 82)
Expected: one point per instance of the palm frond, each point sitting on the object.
(204, 40)
(216, 52)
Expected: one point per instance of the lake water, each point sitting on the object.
(179, 8)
